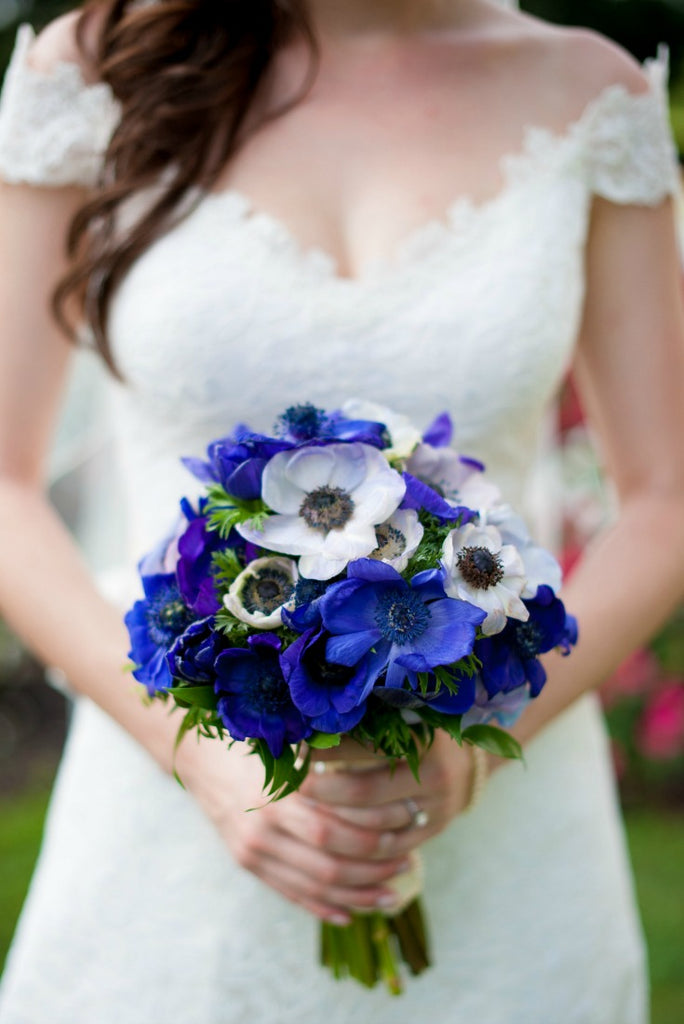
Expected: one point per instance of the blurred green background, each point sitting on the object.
(33, 716)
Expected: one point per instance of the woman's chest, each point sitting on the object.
(229, 314)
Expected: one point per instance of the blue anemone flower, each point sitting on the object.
(332, 696)
(305, 424)
(254, 699)
(442, 700)
(510, 659)
(440, 432)
(378, 619)
(193, 655)
(196, 548)
(153, 625)
(307, 599)
(420, 495)
(238, 463)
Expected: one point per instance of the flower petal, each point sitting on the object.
(351, 647)
(283, 533)
(309, 468)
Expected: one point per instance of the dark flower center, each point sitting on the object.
(480, 567)
(391, 542)
(167, 616)
(326, 673)
(267, 691)
(306, 590)
(302, 422)
(266, 590)
(529, 639)
(327, 508)
(402, 616)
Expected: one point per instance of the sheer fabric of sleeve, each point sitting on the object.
(54, 127)
(631, 155)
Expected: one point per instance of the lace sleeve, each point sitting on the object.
(54, 128)
(630, 151)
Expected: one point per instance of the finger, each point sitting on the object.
(360, 789)
(312, 892)
(383, 817)
(330, 869)
(319, 908)
(320, 827)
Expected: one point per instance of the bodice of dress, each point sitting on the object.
(227, 319)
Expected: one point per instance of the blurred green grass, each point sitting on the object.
(656, 840)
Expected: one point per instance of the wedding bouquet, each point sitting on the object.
(347, 577)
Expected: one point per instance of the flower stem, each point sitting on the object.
(367, 949)
(382, 941)
(409, 928)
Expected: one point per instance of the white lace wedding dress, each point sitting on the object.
(136, 914)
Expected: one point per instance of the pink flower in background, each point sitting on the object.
(661, 730)
(639, 673)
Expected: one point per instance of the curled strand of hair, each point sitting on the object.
(185, 73)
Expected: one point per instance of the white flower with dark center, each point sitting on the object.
(458, 480)
(261, 590)
(541, 568)
(487, 573)
(328, 500)
(403, 435)
(398, 539)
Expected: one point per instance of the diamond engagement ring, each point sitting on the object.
(419, 817)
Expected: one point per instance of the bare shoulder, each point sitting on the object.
(58, 43)
(591, 63)
(559, 70)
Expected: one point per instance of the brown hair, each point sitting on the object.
(185, 73)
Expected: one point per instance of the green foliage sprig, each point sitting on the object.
(225, 511)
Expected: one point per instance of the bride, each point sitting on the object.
(434, 204)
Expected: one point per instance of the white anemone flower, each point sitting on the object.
(261, 591)
(403, 435)
(398, 539)
(459, 481)
(328, 501)
(483, 570)
(541, 568)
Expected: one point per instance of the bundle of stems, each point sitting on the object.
(371, 948)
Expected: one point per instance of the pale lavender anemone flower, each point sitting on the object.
(481, 569)
(403, 436)
(328, 502)
(503, 708)
(459, 480)
(541, 568)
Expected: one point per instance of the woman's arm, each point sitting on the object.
(630, 368)
(48, 596)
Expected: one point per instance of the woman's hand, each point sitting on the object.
(298, 847)
(389, 802)
(337, 843)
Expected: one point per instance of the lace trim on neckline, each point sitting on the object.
(540, 146)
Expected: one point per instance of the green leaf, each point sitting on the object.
(450, 724)
(225, 511)
(494, 741)
(226, 568)
(195, 696)
(324, 740)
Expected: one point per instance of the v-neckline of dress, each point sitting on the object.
(539, 145)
